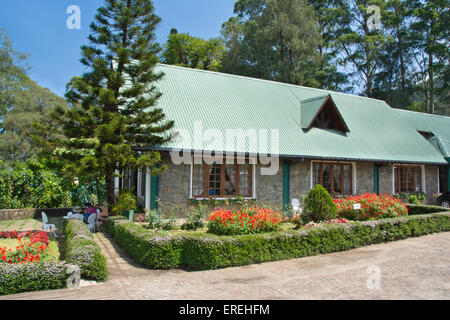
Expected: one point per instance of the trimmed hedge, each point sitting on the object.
(17, 278)
(82, 250)
(202, 251)
(414, 209)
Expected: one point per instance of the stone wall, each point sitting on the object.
(431, 183)
(386, 176)
(174, 184)
(174, 188)
(18, 214)
(364, 177)
(269, 188)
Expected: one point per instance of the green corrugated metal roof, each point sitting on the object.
(227, 103)
(436, 124)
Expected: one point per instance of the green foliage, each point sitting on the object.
(274, 40)
(319, 206)
(82, 250)
(415, 209)
(156, 222)
(195, 218)
(200, 251)
(22, 187)
(127, 201)
(188, 51)
(11, 76)
(35, 276)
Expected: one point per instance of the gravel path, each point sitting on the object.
(415, 268)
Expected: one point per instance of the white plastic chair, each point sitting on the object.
(97, 222)
(69, 215)
(92, 222)
(46, 226)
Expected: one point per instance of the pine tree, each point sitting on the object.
(117, 95)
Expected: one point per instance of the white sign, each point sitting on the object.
(357, 206)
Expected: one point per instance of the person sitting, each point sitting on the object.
(88, 211)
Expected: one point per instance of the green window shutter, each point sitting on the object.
(376, 178)
(153, 192)
(286, 184)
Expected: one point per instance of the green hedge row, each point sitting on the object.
(17, 278)
(414, 209)
(202, 251)
(82, 250)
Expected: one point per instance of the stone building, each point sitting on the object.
(239, 137)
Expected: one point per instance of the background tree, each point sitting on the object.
(394, 82)
(117, 95)
(12, 74)
(192, 52)
(31, 104)
(360, 45)
(430, 26)
(328, 72)
(273, 39)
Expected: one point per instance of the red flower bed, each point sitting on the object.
(31, 250)
(373, 207)
(245, 221)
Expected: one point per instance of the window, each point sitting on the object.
(334, 177)
(222, 180)
(408, 179)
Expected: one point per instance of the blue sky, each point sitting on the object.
(38, 28)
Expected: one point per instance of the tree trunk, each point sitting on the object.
(431, 81)
(109, 179)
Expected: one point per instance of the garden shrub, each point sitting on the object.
(319, 205)
(17, 278)
(200, 251)
(414, 209)
(373, 207)
(82, 250)
(126, 201)
(195, 218)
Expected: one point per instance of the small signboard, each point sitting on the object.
(356, 206)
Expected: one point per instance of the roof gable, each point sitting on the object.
(321, 112)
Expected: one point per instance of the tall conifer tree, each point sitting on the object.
(117, 94)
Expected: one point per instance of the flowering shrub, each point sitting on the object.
(32, 250)
(16, 278)
(373, 207)
(35, 236)
(312, 224)
(245, 221)
(82, 250)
